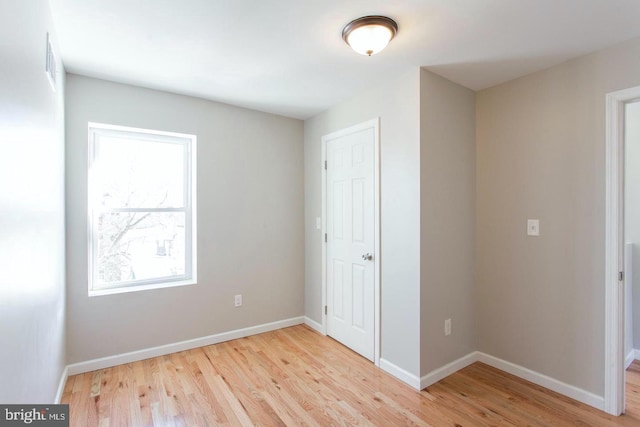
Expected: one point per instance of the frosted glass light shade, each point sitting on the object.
(370, 34)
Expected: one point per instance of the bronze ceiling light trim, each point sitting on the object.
(370, 34)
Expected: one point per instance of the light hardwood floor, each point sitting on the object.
(295, 376)
(632, 394)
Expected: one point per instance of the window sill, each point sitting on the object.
(147, 287)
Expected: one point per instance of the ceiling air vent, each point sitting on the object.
(50, 66)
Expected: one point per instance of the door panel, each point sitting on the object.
(350, 237)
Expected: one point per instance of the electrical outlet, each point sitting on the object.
(238, 300)
(533, 227)
(447, 327)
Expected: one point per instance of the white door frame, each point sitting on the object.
(375, 125)
(614, 356)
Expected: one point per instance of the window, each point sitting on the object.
(142, 209)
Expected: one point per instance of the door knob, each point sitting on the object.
(367, 257)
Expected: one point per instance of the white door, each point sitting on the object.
(350, 216)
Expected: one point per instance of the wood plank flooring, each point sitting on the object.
(295, 377)
(632, 393)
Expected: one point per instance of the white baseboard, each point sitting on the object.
(134, 356)
(61, 384)
(558, 386)
(399, 373)
(448, 369)
(314, 325)
(636, 354)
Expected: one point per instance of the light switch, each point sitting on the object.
(533, 227)
(318, 223)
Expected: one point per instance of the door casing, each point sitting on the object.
(375, 125)
(614, 381)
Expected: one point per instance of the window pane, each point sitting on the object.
(134, 173)
(140, 245)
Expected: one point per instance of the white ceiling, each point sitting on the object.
(287, 56)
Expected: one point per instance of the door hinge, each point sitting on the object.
(621, 276)
(325, 237)
(325, 165)
(325, 309)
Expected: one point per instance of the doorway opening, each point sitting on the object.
(615, 249)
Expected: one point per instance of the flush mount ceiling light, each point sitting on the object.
(370, 34)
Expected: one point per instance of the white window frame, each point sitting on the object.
(189, 144)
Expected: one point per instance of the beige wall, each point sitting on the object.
(541, 154)
(428, 215)
(397, 104)
(250, 222)
(32, 256)
(447, 220)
